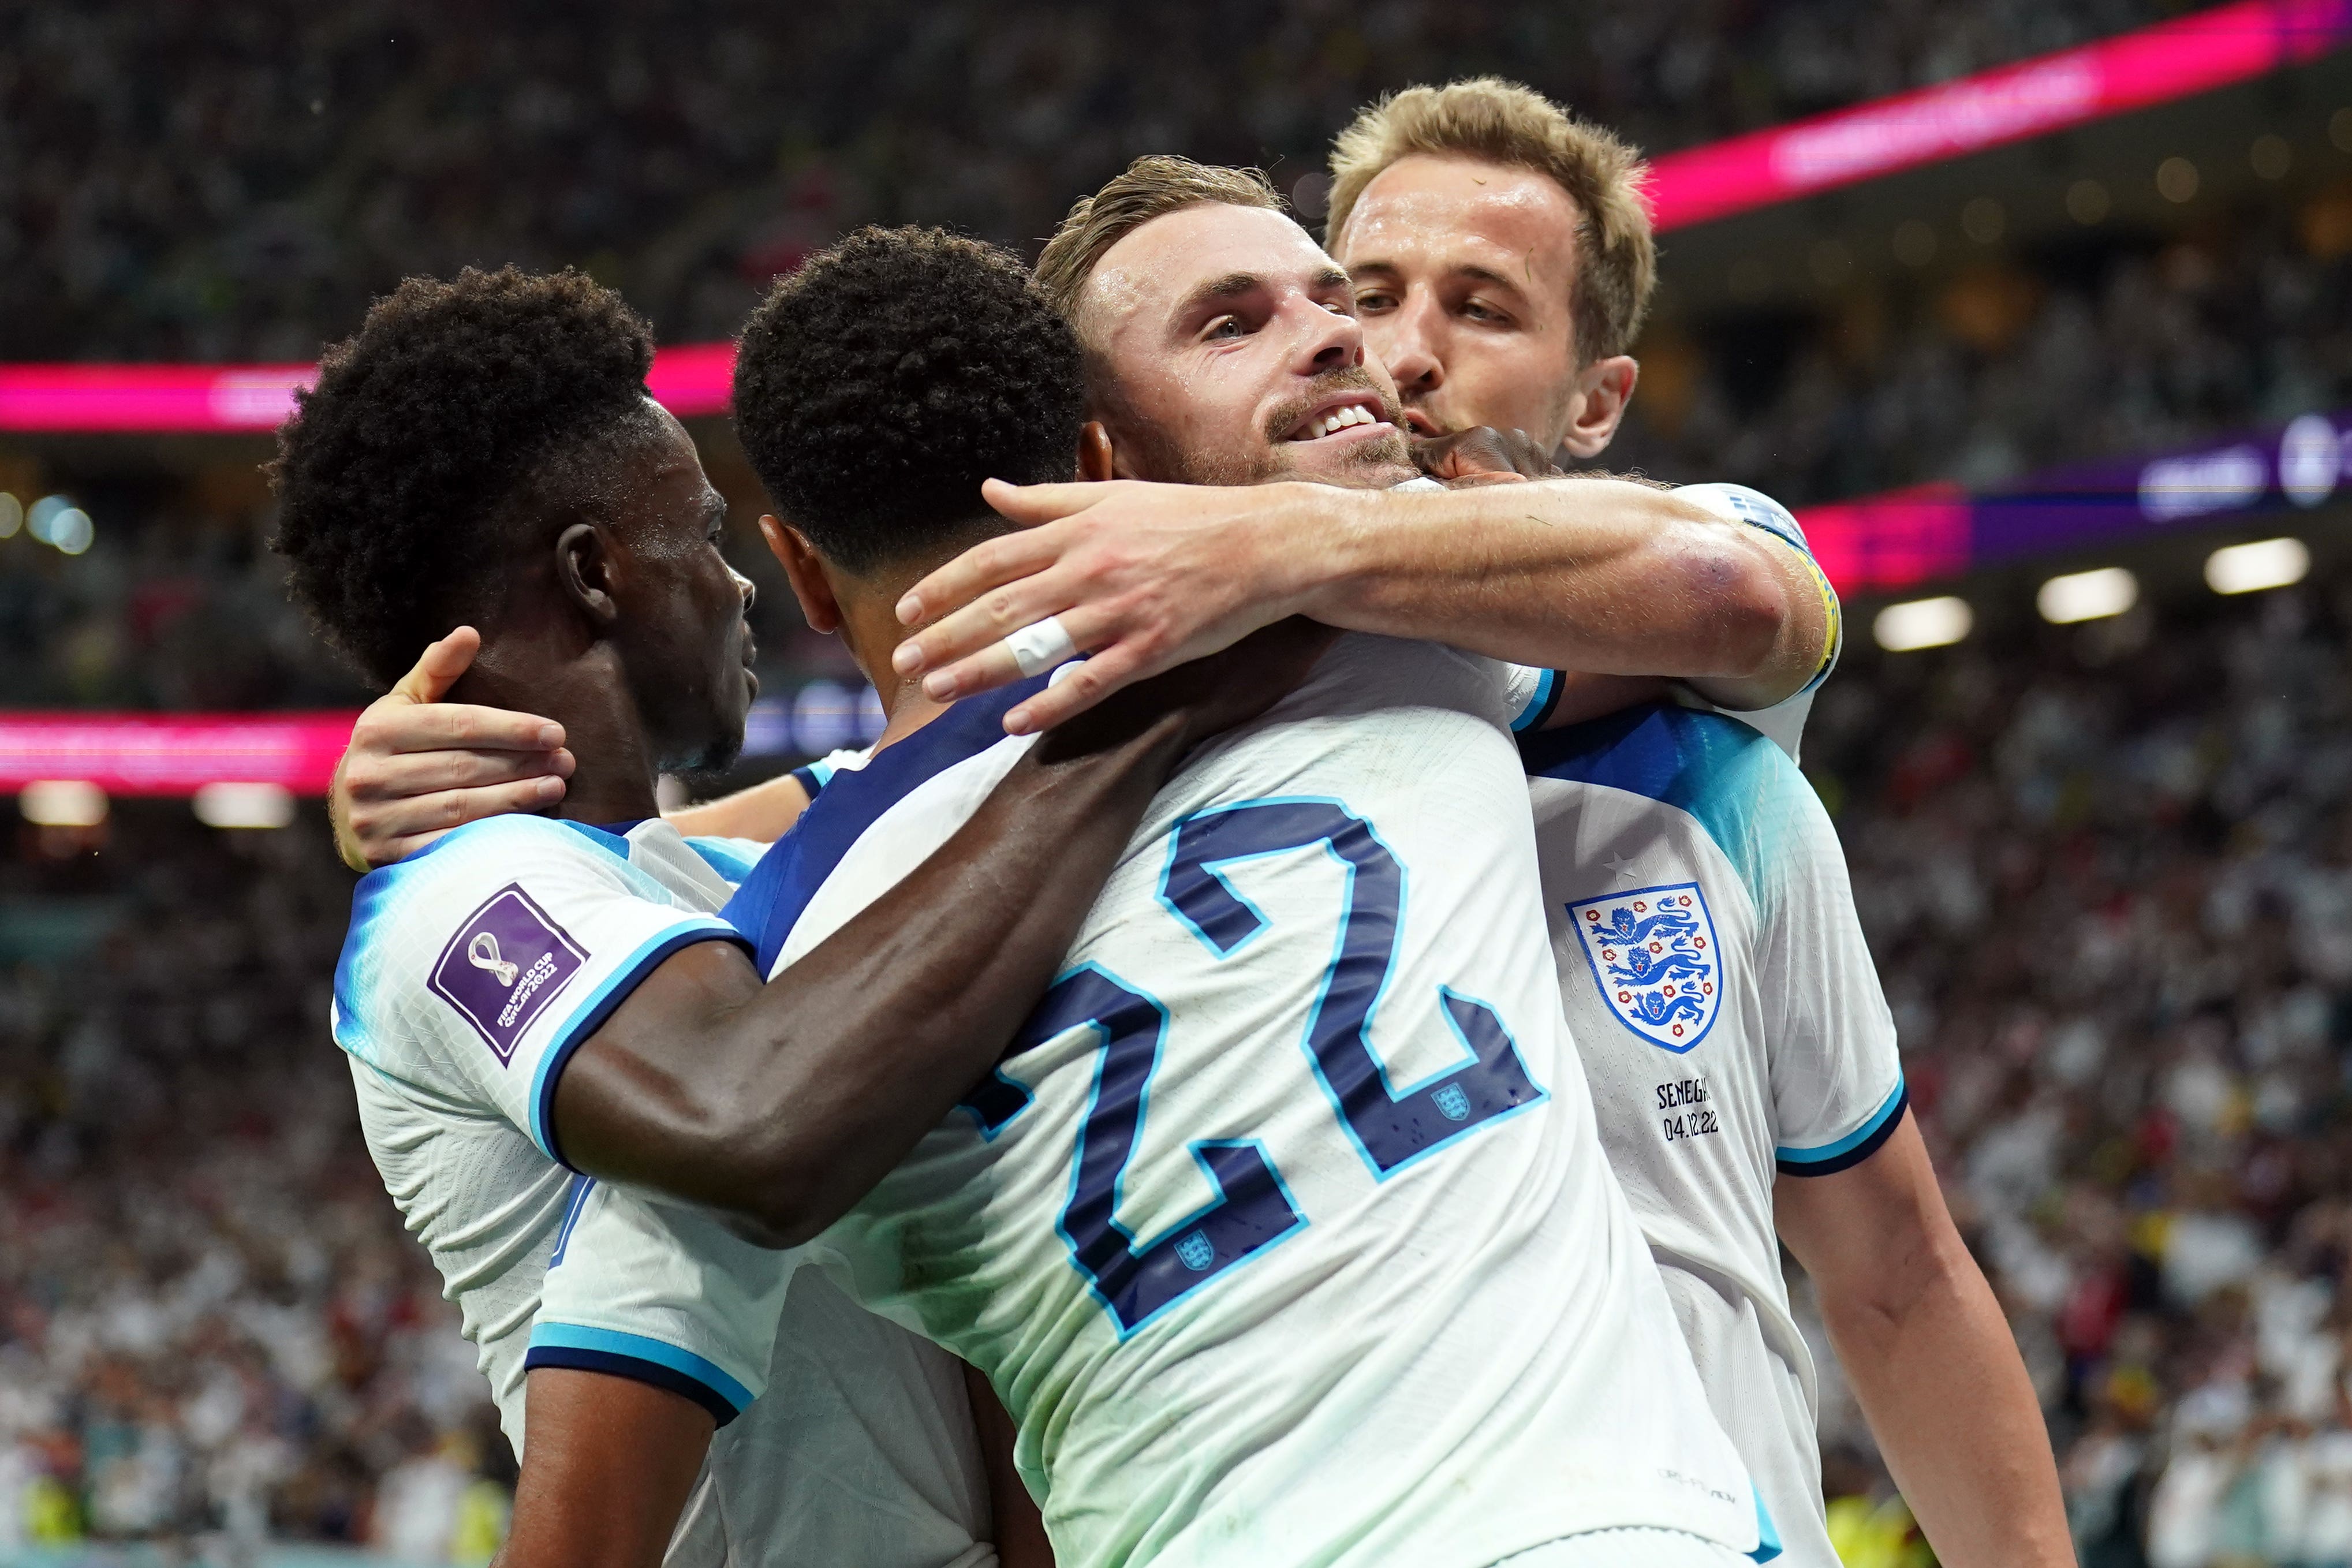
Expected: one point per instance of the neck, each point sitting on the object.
(588, 693)
(870, 626)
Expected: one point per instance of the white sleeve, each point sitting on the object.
(1837, 1079)
(1783, 723)
(662, 1292)
(475, 968)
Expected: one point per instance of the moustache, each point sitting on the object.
(1354, 378)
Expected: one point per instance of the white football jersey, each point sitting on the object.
(471, 972)
(1283, 1230)
(1731, 1026)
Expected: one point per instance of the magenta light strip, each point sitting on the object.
(2172, 59)
(173, 754)
(690, 380)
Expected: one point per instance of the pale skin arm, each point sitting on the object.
(1930, 1357)
(1607, 576)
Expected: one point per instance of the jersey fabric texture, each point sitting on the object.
(1283, 1230)
(1784, 722)
(471, 972)
(1732, 1027)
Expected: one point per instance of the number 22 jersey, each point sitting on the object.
(1283, 1230)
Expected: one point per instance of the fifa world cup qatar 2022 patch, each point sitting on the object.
(1653, 955)
(506, 963)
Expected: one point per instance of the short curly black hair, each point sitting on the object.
(459, 408)
(879, 384)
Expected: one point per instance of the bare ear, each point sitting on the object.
(1603, 388)
(811, 587)
(1095, 460)
(583, 565)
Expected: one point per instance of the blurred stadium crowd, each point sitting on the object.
(307, 156)
(211, 1323)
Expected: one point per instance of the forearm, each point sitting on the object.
(763, 812)
(1938, 1376)
(804, 1093)
(606, 1470)
(1601, 575)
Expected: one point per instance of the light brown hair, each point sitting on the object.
(1152, 187)
(1502, 122)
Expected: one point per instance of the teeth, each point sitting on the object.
(1341, 419)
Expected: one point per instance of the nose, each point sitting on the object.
(1406, 340)
(745, 586)
(1328, 340)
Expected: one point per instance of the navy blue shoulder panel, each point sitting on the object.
(774, 895)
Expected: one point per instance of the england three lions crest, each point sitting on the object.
(1652, 954)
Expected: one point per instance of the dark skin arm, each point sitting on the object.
(611, 1461)
(1020, 1539)
(607, 1469)
(783, 1104)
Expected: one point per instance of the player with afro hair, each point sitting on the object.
(874, 449)
(462, 411)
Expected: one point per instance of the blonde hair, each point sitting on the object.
(1502, 122)
(1152, 187)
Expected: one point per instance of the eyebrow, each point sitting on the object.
(1233, 285)
(1467, 270)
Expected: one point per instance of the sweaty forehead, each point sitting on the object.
(1465, 211)
(1156, 266)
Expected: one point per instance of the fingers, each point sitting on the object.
(389, 830)
(390, 727)
(983, 568)
(439, 665)
(992, 665)
(1086, 685)
(1030, 505)
(412, 773)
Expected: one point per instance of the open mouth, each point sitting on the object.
(1339, 416)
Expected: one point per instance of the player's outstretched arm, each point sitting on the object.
(1603, 575)
(784, 1103)
(606, 1470)
(1930, 1357)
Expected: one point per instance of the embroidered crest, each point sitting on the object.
(1196, 1251)
(1451, 1102)
(1652, 954)
(504, 966)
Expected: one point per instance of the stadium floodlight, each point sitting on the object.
(42, 515)
(2250, 568)
(11, 515)
(62, 802)
(244, 805)
(2087, 596)
(71, 531)
(1923, 623)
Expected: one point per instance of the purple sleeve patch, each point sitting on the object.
(506, 963)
